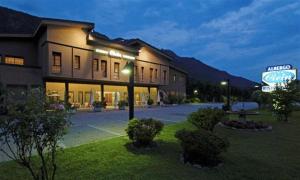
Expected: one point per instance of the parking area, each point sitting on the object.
(92, 126)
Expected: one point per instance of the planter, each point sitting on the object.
(97, 109)
(122, 107)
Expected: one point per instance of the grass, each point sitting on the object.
(252, 155)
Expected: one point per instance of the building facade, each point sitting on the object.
(76, 64)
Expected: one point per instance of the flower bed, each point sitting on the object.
(234, 124)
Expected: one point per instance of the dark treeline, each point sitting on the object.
(208, 92)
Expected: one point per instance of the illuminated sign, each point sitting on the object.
(268, 88)
(101, 51)
(128, 57)
(278, 76)
(114, 53)
(273, 78)
(279, 67)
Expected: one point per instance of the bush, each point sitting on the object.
(122, 103)
(201, 147)
(150, 101)
(206, 118)
(97, 104)
(142, 132)
(175, 99)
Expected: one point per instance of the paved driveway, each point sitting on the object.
(90, 126)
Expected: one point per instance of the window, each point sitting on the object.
(14, 60)
(136, 74)
(165, 76)
(77, 62)
(56, 66)
(174, 78)
(151, 74)
(116, 70)
(104, 68)
(142, 73)
(95, 65)
(156, 74)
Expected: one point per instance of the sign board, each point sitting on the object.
(268, 88)
(279, 67)
(273, 78)
(278, 76)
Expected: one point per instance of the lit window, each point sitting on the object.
(56, 66)
(95, 65)
(174, 78)
(77, 62)
(14, 60)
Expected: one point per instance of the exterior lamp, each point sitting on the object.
(126, 70)
(195, 91)
(129, 70)
(227, 83)
(223, 83)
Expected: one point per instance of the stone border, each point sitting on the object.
(269, 128)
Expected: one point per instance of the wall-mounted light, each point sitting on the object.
(101, 51)
(115, 53)
(128, 57)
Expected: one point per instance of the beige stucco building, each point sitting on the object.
(76, 64)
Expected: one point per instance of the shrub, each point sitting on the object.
(201, 147)
(97, 104)
(142, 132)
(206, 118)
(122, 103)
(33, 125)
(150, 101)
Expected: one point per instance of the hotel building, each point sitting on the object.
(76, 64)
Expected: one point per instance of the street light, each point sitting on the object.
(224, 83)
(129, 70)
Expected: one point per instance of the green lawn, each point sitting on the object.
(252, 155)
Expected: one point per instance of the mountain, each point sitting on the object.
(199, 71)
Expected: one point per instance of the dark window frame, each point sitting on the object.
(104, 71)
(55, 64)
(151, 74)
(96, 68)
(116, 70)
(76, 58)
(142, 73)
(165, 76)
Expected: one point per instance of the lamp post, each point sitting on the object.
(129, 69)
(224, 83)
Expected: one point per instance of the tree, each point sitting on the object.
(261, 98)
(33, 125)
(284, 99)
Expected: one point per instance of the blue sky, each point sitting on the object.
(239, 36)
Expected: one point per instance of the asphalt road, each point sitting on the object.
(92, 126)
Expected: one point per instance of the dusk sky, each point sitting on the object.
(238, 36)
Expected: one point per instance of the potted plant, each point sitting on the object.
(122, 104)
(97, 106)
(150, 102)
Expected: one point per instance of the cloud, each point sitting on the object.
(164, 34)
